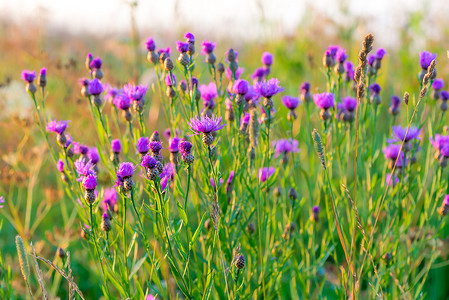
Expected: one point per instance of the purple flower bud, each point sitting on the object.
(126, 169)
(375, 88)
(425, 58)
(446, 200)
(349, 69)
(341, 55)
(90, 182)
(182, 47)
(174, 144)
(212, 182)
(148, 162)
(95, 87)
(207, 47)
(167, 51)
(83, 81)
(189, 37)
(251, 94)
(259, 74)
(142, 145)
(290, 102)
(267, 59)
(60, 165)
(316, 209)
(28, 76)
(185, 147)
(93, 155)
(193, 83)
(96, 63)
(265, 173)
(150, 44)
(80, 148)
(438, 84)
(57, 126)
(395, 101)
(444, 95)
(116, 146)
(245, 119)
(380, 53)
(43, 72)
(170, 81)
(240, 86)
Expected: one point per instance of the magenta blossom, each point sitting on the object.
(268, 88)
(95, 87)
(57, 126)
(126, 169)
(150, 44)
(93, 155)
(109, 199)
(90, 182)
(400, 134)
(267, 59)
(425, 58)
(241, 87)
(394, 179)
(135, 92)
(265, 173)
(205, 124)
(238, 73)
(60, 165)
(208, 92)
(207, 47)
(28, 76)
(142, 145)
(349, 103)
(122, 101)
(285, 146)
(324, 100)
(83, 168)
(259, 74)
(182, 47)
(290, 102)
(2, 201)
(440, 141)
(116, 146)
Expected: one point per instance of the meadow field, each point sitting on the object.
(179, 166)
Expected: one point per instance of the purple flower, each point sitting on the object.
(380, 53)
(268, 88)
(122, 101)
(116, 146)
(167, 133)
(28, 76)
(166, 51)
(57, 126)
(69, 140)
(446, 200)
(371, 59)
(305, 87)
(109, 199)
(265, 173)
(267, 59)
(207, 47)
(349, 103)
(182, 47)
(148, 162)
(440, 141)
(170, 80)
(245, 119)
(395, 101)
(341, 55)
(60, 165)
(290, 102)
(285, 146)
(189, 37)
(126, 169)
(399, 134)
(332, 50)
(212, 182)
(193, 83)
(155, 146)
(324, 100)
(228, 104)
(230, 181)
(388, 178)
(150, 44)
(375, 88)
(164, 183)
(93, 155)
(96, 63)
(208, 92)
(259, 74)
(83, 168)
(349, 69)
(174, 144)
(135, 92)
(238, 73)
(205, 124)
(444, 95)
(316, 209)
(425, 58)
(2, 200)
(80, 148)
(168, 171)
(142, 145)
(438, 84)
(95, 87)
(90, 182)
(43, 72)
(185, 147)
(392, 151)
(251, 94)
(241, 87)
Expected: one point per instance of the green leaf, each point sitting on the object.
(182, 213)
(197, 233)
(208, 289)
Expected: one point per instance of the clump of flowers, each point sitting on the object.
(324, 101)
(206, 126)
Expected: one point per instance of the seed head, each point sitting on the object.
(318, 143)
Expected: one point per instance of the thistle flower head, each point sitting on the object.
(150, 44)
(259, 74)
(444, 95)
(155, 146)
(395, 101)
(142, 145)
(109, 199)
(380, 53)
(209, 91)
(425, 58)
(305, 87)
(116, 146)
(245, 119)
(135, 92)
(93, 155)
(83, 168)
(122, 101)
(349, 69)
(207, 47)
(241, 87)
(285, 146)
(290, 102)
(205, 124)
(392, 151)
(446, 200)
(399, 134)
(189, 37)
(57, 126)
(438, 84)
(251, 95)
(80, 148)
(28, 76)
(185, 147)
(324, 100)
(126, 169)
(375, 88)
(349, 103)
(83, 81)
(174, 144)
(96, 63)
(95, 87)
(371, 59)
(148, 162)
(90, 182)
(166, 51)
(316, 209)
(182, 47)
(265, 173)
(341, 55)
(60, 165)
(268, 88)
(440, 141)
(267, 59)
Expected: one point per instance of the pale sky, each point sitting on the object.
(231, 18)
